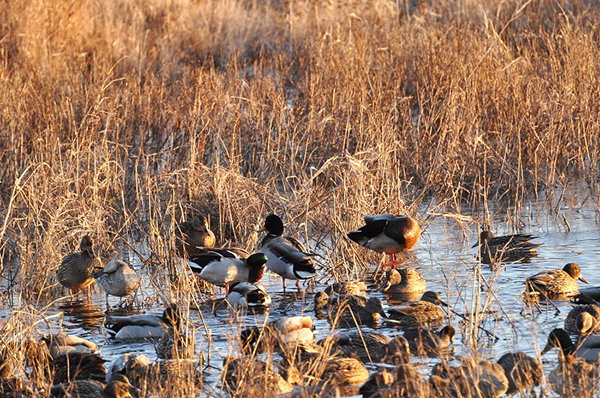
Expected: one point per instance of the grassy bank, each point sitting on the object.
(122, 117)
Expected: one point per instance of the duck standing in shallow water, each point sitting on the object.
(117, 278)
(556, 283)
(75, 271)
(389, 234)
(287, 256)
(192, 236)
(223, 267)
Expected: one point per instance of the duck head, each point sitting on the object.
(273, 225)
(574, 271)
(87, 246)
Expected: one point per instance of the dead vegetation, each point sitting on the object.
(120, 118)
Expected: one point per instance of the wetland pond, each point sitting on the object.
(444, 256)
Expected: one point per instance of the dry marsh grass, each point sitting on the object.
(120, 118)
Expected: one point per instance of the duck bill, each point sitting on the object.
(475, 245)
(263, 229)
(546, 349)
(443, 303)
(583, 280)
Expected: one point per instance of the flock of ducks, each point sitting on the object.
(343, 304)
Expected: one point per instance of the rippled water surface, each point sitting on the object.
(445, 259)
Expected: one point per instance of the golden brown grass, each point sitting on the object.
(119, 118)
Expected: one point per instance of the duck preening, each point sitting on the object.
(387, 233)
(223, 267)
(287, 256)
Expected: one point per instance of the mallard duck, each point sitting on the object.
(223, 267)
(587, 295)
(287, 256)
(117, 278)
(192, 236)
(473, 378)
(522, 371)
(421, 312)
(153, 376)
(117, 387)
(177, 343)
(143, 326)
(368, 346)
(402, 381)
(347, 310)
(571, 319)
(574, 378)
(61, 343)
(556, 283)
(587, 347)
(284, 332)
(405, 280)
(345, 371)
(254, 375)
(505, 248)
(77, 366)
(354, 288)
(75, 271)
(245, 294)
(424, 341)
(386, 233)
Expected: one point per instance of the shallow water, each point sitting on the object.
(446, 261)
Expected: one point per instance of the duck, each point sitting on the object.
(571, 319)
(73, 366)
(354, 288)
(402, 281)
(587, 295)
(422, 312)
(62, 343)
(505, 248)
(117, 387)
(387, 233)
(344, 371)
(243, 294)
(152, 377)
(131, 327)
(522, 371)
(222, 267)
(574, 378)
(587, 347)
(76, 269)
(556, 283)
(424, 341)
(472, 378)
(284, 332)
(177, 343)
(287, 257)
(349, 310)
(369, 346)
(118, 279)
(254, 374)
(192, 236)
(401, 381)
